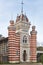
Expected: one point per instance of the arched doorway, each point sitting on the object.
(24, 55)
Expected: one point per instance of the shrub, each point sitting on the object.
(41, 57)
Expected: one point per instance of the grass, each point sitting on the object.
(8, 63)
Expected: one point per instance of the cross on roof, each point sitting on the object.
(22, 7)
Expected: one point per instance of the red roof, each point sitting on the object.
(22, 17)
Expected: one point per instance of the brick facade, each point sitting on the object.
(33, 41)
(14, 39)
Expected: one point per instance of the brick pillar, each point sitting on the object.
(17, 45)
(33, 41)
(12, 46)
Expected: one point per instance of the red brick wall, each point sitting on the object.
(14, 44)
(33, 42)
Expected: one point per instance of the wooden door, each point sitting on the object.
(24, 55)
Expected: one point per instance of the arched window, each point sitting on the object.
(24, 39)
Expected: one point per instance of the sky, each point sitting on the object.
(33, 9)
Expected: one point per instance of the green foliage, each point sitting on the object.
(40, 48)
(41, 58)
(8, 63)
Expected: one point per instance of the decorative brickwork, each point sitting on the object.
(33, 42)
(13, 45)
(16, 44)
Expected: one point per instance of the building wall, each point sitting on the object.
(4, 50)
(16, 47)
(14, 44)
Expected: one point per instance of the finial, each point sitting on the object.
(17, 14)
(25, 13)
(11, 16)
(33, 28)
(22, 7)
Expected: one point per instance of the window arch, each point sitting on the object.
(24, 39)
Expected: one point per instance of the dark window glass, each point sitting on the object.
(24, 39)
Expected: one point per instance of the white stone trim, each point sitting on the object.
(34, 60)
(24, 47)
(18, 30)
(14, 61)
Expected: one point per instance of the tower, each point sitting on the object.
(22, 27)
(13, 44)
(21, 46)
(33, 47)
